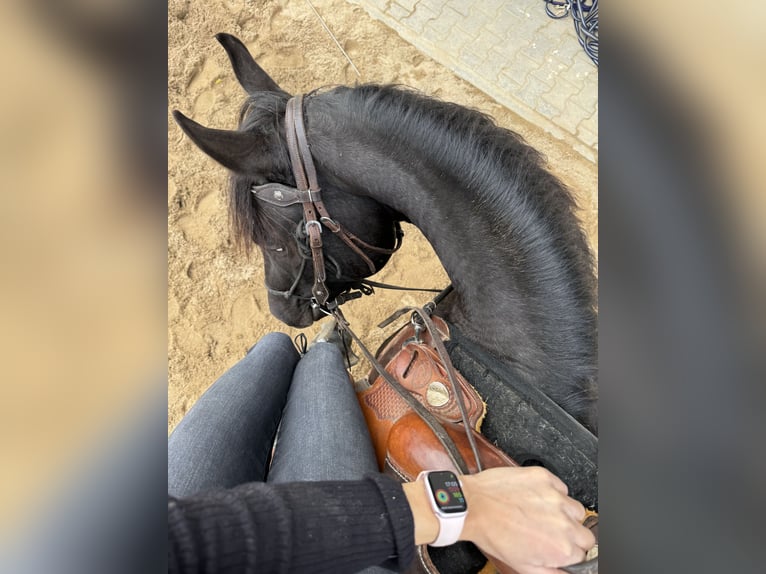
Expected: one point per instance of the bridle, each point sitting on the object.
(315, 215)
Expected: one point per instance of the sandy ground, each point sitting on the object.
(217, 306)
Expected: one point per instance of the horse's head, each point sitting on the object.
(256, 153)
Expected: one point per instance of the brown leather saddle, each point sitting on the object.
(405, 445)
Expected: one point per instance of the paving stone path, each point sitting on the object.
(511, 50)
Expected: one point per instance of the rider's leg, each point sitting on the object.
(323, 435)
(226, 437)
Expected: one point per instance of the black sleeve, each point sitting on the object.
(307, 527)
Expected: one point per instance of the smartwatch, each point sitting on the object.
(448, 503)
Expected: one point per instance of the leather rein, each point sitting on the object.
(315, 218)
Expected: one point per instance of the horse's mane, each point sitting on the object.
(529, 207)
(263, 114)
(461, 140)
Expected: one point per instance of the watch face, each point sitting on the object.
(446, 491)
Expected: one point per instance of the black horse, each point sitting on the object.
(503, 227)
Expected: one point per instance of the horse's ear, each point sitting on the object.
(240, 151)
(250, 75)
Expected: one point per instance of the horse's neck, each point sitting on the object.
(468, 244)
(518, 260)
(515, 291)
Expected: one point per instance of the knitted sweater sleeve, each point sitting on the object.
(297, 528)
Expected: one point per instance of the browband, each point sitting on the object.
(283, 195)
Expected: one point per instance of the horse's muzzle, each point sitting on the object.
(298, 316)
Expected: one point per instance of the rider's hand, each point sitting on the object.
(524, 518)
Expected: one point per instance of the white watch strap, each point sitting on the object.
(450, 527)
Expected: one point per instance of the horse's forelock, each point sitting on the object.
(244, 218)
(494, 161)
(263, 114)
(252, 223)
(262, 111)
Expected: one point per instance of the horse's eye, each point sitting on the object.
(277, 249)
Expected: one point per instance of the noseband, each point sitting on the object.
(315, 214)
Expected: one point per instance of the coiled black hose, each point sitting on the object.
(585, 16)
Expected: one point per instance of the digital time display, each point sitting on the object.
(446, 491)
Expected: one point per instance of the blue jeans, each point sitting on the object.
(308, 404)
